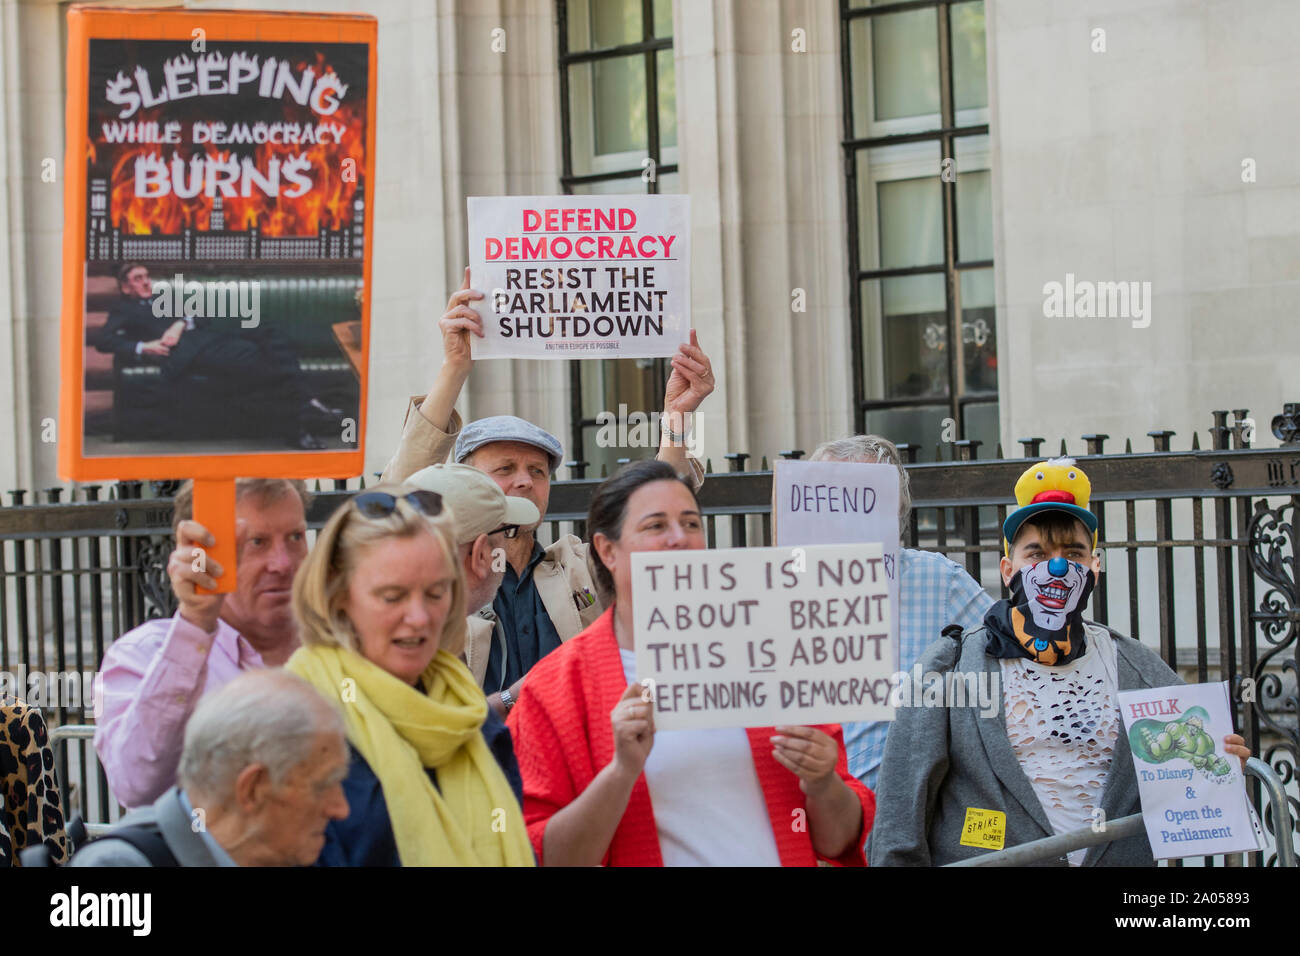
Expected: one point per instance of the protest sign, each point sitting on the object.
(1193, 794)
(840, 502)
(755, 637)
(219, 173)
(219, 177)
(568, 277)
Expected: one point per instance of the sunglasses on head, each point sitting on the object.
(381, 504)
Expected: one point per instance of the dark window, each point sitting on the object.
(618, 107)
(920, 242)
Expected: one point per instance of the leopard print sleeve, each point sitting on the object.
(31, 810)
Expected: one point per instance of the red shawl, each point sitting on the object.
(563, 737)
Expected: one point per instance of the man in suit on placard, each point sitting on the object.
(260, 359)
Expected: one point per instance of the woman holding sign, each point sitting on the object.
(601, 787)
(381, 611)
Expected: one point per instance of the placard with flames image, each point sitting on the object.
(217, 244)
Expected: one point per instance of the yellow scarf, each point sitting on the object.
(475, 820)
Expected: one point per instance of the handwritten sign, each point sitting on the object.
(1194, 799)
(569, 277)
(754, 637)
(840, 502)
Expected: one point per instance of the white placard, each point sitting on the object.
(570, 277)
(1194, 799)
(756, 637)
(840, 502)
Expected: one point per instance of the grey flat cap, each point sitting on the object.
(507, 428)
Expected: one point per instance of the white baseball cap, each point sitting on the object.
(477, 503)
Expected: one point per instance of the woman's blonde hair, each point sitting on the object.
(348, 536)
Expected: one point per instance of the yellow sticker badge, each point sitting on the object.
(986, 829)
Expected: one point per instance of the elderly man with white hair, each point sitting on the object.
(933, 592)
(261, 774)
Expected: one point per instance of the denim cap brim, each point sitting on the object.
(1014, 520)
(507, 428)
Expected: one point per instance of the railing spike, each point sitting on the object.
(1240, 416)
(1032, 446)
(1064, 452)
(1219, 430)
(1096, 441)
(1196, 441)
(1160, 438)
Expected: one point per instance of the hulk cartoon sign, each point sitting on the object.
(1194, 799)
(1158, 742)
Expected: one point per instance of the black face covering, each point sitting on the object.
(1043, 618)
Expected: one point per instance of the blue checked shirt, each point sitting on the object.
(933, 592)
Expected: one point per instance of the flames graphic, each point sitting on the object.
(328, 204)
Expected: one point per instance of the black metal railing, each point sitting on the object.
(1198, 561)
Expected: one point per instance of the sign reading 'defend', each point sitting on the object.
(840, 502)
(569, 277)
(755, 637)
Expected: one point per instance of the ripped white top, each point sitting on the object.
(1062, 723)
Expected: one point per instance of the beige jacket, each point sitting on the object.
(563, 582)
(422, 443)
(563, 579)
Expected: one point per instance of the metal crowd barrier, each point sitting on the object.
(59, 737)
(1060, 844)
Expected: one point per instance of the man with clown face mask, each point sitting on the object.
(1050, 567)
(1053, 758)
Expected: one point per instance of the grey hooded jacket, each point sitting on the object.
(939, 761)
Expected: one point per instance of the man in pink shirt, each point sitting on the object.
(154, 675)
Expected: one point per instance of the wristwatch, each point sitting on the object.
(676, 438)
(507, 700)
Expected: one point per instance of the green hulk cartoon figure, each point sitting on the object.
(1155, 741)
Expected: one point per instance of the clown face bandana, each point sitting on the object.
(1043, 618)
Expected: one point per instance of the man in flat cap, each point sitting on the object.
(547, 595)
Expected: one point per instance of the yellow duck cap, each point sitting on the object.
(1055, 485)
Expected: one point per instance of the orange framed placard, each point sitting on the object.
(220, 177)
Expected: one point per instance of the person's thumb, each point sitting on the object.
(633, 690)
